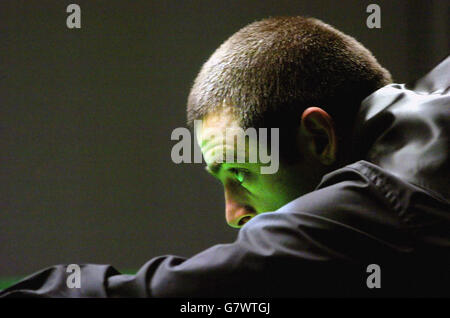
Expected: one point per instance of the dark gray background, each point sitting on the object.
(86, 118)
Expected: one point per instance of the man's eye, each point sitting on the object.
(239, 174)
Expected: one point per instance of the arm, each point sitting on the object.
(282, 253)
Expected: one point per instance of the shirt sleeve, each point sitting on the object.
(312, 247)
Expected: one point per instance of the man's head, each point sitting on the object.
(293, 73)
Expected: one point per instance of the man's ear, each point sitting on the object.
(317, 125)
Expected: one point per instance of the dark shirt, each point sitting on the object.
(390, 208)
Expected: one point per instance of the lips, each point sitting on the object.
(244, 220)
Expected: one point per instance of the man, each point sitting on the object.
(362, 182)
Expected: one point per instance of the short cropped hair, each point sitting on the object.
(270, 71)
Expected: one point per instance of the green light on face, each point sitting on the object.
(239, 174)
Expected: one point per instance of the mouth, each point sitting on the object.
(244, 220)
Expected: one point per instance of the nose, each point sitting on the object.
(237, 214)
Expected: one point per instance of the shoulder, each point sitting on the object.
(357, 203)
(361, 188)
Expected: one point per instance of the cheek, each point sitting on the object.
(235, 191)
(270, 196)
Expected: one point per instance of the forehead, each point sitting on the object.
(214, 125)
(220, 120)
(216, 135)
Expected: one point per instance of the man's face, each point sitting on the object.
(247, 191)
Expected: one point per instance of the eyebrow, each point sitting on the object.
(214, 167)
